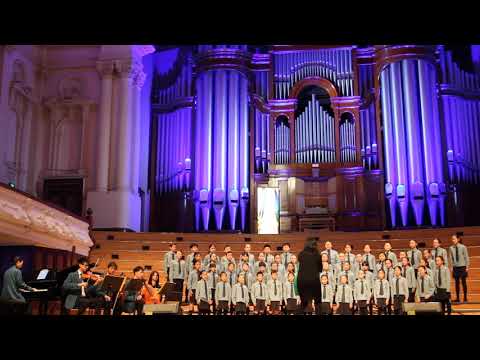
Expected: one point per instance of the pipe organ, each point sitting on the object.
(171, 94)
(262, 153)
(315, 134)
(461, 105)
(369, 152)
(394, 131)
(332, 64)
(347, 141)
(282, 143)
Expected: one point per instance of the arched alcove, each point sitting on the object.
(347, 138)
(314, 126)
(282, 140)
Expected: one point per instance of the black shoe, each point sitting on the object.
(456, 301)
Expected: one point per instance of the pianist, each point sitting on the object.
(12, 283)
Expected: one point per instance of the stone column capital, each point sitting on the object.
(128, 68)
(105, 68)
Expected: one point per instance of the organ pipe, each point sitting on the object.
(390, 173)
(433, 170)
(415, 168)
(399, 136)
(219, 164)
(233, 149)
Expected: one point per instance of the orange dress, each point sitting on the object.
(150, 296)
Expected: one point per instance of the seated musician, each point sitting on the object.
(107, 297)
(12, 283)
(134, 300)
(150, 291)
(79, 292)
(154, 280)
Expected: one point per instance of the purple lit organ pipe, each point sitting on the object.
(244, 151)
(414, 154)
(399, 136)
(219, 164)
(390, 174)
(233, 149)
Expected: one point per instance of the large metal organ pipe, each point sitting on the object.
(460, 120)
(412, 136)
(219, 164)
(203, 154)
(282, 141)
(315, 134)
(396, 98)
(347, 141)
(222, 151)
(390, 169)
(414, 143)
(261, 142)
(431, 140)
(233, 149)
(173, 152)
(332, 64)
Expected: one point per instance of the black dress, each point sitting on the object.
(308, 281)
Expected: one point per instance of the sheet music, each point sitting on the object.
(42, 275)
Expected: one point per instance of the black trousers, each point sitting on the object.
(362, 307)
(14, 308)
(370, 306)
(85, 302)
(389, 306)
(291, 308)
(275, 307)
(240, 308)
(381, 306)
(179, 288)
(260, 307)
(308, 291)
(443, 297)
(214, 306)
(344, 309)
(398, 300)
(324, 309)
(222, 308)
(411, 295)
(203, 308)
(460, 273)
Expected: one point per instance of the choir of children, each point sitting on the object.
(351, 284)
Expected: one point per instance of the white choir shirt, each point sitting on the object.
(83, 289)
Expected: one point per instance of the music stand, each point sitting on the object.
(112, 284)
(134, 285)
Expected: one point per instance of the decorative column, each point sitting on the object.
(106, 72)
(85, 115)
(137, 91)
(126, 73)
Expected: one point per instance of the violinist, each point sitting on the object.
(150, 291)
(133, 300)
(108, 296)
(79, 290)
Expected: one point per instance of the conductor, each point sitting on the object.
(308, 281)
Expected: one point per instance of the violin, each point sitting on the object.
(91, 276)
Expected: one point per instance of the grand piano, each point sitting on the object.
(53, 285)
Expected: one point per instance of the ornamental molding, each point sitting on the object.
(25, 221)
